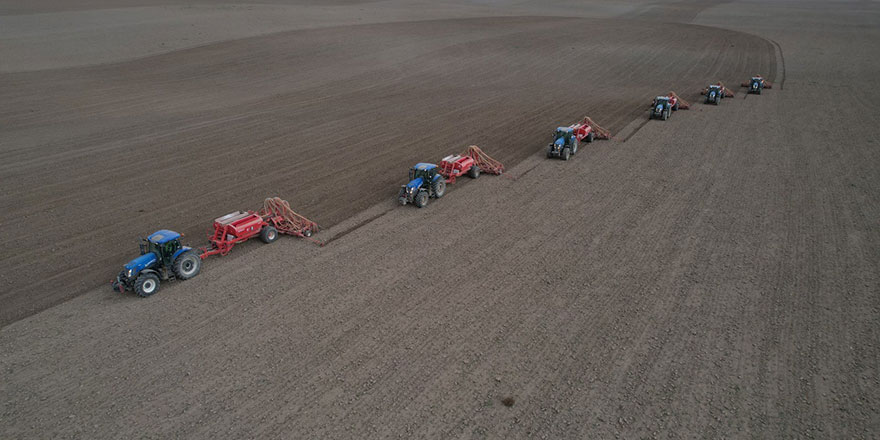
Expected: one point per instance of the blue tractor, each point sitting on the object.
(756, 85)
(662, 107)
(714, 94)
(565, 143)
(424, 182)
(162, 258)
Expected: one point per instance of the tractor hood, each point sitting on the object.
(141, 263)
(415, 183)
(560, 141)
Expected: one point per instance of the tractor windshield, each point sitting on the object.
(416, 173)
(163, 250)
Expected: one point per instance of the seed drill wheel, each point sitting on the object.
(268, 234)
(474, 172)
(146, 285)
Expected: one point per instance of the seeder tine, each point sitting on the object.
(600, 133)
(483, 161)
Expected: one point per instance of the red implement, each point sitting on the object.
(588, 125)
(285, 220)
(675, 99)
(453, 166)
(486, 163)
(275, 218)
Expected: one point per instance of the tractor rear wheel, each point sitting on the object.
(187, 265)
(439, 187)
(474, 172)
(574, 146)
(268, 234)
(421, 199)
(146, 284)
(566, 153)
(665, 114)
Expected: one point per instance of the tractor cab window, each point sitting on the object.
(416, 173)
(170, 248)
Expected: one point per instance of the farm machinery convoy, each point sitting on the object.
(164, 258)
(566, 139)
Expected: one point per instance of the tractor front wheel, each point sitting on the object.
(187, 265)
(268, 234)
(146, 284)
(439, 187)
(474, 172)
(566, 153)
(550, 151)
(421, 199)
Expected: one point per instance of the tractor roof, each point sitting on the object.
(662, 98)
(425, 166)
(565, 129)
(163, 236)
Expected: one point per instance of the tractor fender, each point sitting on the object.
(180, 251)
(149, 271)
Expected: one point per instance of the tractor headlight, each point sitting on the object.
(129, 272)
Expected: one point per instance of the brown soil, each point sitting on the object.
(712, 276)
(328, 119)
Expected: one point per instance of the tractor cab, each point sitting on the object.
(757, 83)
(715, 88)
(425, 171)
(661, 101)
(164, 244)
(563, 136)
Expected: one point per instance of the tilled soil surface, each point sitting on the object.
(329, 119)
(711, 276)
